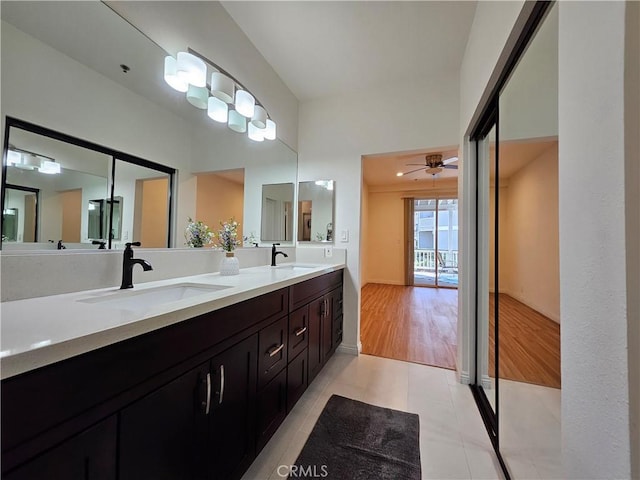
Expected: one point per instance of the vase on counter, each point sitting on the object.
(229, 264)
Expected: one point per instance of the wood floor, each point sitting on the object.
(529, 344)
(419, 325)
(414, 324)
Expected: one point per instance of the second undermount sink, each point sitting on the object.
(145, 298)
(295, 266)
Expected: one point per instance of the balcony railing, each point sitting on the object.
(425, 260)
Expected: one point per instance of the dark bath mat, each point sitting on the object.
(353, 440)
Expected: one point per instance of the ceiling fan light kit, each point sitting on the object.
(433, 165)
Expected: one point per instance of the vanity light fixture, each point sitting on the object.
(328, 184)
(50, 168)
(225, 98)
(26, 160)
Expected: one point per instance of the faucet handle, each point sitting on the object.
(274, 244)
(132, 244)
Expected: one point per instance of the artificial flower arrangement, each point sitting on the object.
(227, 236)
(197, 234)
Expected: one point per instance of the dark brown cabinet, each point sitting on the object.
(90, 455)
(193, 400)
(199, 426)
(323, 340)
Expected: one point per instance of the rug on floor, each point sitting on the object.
(353, 440)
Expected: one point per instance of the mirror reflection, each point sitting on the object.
(315, 211)
(49, 200)
(57, 193)
(145, 208)
(220, 197)
(99, 215)
(277, 213)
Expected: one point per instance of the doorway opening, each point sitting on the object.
(409, 240)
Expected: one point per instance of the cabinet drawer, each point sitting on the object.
(272, 350)
(306, 291)
(296, 379)
(272, 408)
(298, 331)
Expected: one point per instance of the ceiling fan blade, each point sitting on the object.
(455, 167)
(412, 171)
(450, 160)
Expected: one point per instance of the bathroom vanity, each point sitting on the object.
(191, 388)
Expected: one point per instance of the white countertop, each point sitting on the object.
(40, 331)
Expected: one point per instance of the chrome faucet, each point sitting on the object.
(274, 254)
(127, 265)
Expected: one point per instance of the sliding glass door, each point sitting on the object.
(435, 238)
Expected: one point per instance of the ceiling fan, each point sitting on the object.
(433, 164)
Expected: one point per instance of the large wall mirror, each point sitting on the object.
(58, 191)
(228, 170)
(315, 211)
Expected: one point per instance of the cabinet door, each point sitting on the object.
(327, 329)
(90, 455)
(296, 379)
(316, 312)
(272, 408)
(232, 418)
(164, 435)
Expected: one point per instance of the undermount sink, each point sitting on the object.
(295, 266)
(141, 299)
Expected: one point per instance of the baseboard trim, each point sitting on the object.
(350, 349)
(486, 382)
(464, 378)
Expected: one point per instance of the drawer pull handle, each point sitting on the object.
(275, 350)
(300, 331)
(208, 404)
(221, 385)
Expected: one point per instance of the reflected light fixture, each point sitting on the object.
(225, 99)
(26, 160)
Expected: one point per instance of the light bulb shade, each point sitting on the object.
(30, 161)
(259, 118)
(270, 130)
(237, 122)
(256, 134)
(13, 157)
(222, 87)
(245, 103)
(197, 96)
(191, 69)
(171, 75)
(49, 167)
(218, 110)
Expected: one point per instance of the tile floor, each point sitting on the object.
(453, 440)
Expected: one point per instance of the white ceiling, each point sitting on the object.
(326, 48)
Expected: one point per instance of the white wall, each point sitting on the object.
(595, 396)
(335, 132)
(632, 198)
